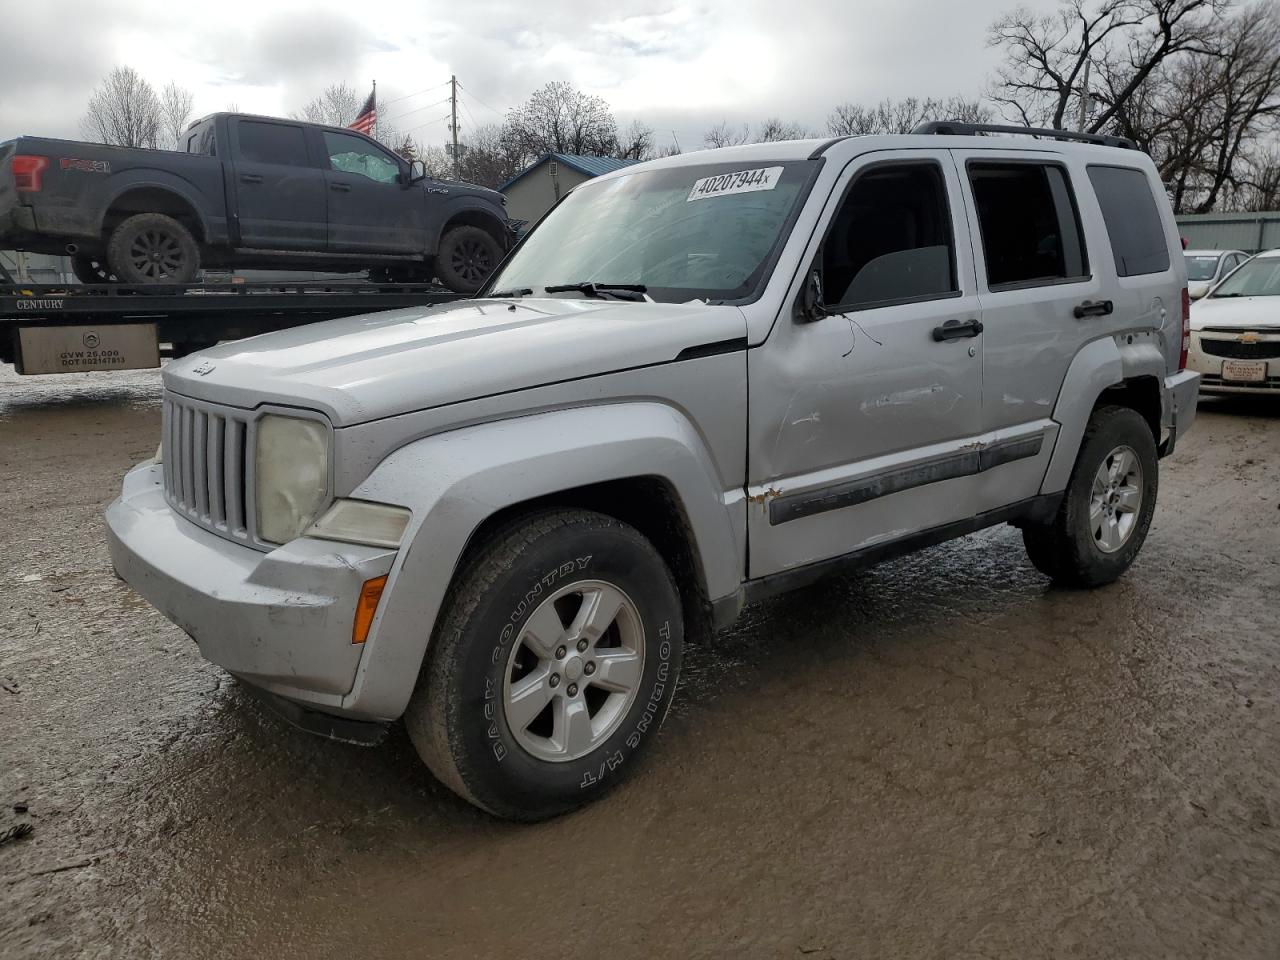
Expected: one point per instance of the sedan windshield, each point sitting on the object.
(683, 233)
(1259, 277)
(1201, 268)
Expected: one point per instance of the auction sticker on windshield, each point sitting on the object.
(740, 181)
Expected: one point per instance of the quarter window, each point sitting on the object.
(1030, 228)
(353, 155)
(1133, 220)
(891, 240)
(272, 143)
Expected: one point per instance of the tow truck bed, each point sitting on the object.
(73, 329)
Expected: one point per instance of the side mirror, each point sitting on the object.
(811, 302)
(417, 171)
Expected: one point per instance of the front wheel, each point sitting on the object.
(466, 257)
(553, 665)
(1107, 507)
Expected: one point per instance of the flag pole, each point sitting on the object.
(375, 109)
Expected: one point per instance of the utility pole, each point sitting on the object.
(453, 125)
(1084, 99)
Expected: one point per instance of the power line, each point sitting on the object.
(386, 103)
(416, 110)
(479, 101)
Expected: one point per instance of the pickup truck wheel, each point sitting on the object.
(553, 665)
(1107, 508)
(92, 269)
(153, 248)
(466, 257)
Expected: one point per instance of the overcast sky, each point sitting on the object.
(680, 66)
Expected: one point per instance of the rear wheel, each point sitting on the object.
(553, 665)
(1107, 507)
(92, 269)
(466, 257)
(153, 248)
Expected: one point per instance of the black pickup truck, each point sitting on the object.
(247, 191)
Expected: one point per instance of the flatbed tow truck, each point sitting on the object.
(74, 329)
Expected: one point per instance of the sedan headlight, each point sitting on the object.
(292, 475)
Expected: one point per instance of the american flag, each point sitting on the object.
(368, 115)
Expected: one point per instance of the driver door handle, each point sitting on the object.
(340, 187)
(957, 330)
(250, 178)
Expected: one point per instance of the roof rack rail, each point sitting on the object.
(959, 128)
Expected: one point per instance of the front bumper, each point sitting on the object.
(280, 620)
(1181, 389)
(1210, 369)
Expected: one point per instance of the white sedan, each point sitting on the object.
(1207, 267)
(1235, 331)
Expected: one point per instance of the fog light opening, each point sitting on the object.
(366, 607)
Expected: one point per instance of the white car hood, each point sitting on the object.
(364, 368)
(1243, 313)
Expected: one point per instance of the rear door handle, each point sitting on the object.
(1093, 308)
(957, 330)
(250, 178)
(340, 187)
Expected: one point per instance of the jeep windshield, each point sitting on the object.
(710, 231)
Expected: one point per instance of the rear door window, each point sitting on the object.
(279, 143)
(1029, 224)
(1132, 218)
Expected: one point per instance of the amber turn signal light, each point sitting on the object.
(366, 607)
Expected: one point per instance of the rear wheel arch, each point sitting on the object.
(153, 199)
(1140, 394)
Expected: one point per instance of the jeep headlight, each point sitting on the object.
(292, 473)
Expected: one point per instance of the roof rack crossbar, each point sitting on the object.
(959, 128)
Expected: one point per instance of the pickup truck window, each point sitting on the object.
(353, 155)
(201, 142)
(684, 233)
(278, 143)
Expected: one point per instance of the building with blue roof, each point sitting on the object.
(536, 188)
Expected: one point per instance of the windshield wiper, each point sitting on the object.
(518, 292)
(593, 289)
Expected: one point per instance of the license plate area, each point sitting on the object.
(114, 346)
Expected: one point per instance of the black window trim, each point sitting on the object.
(839, 309)
(1159, 219)
(1034, 282)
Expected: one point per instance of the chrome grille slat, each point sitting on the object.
(205, 465)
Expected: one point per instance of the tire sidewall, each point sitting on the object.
(498, 770)
(1123, 428)
(444, 257)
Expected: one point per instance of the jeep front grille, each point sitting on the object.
(206, 465)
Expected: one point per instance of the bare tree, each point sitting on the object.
(489, 158)
(1204, 115)
(902, 116)
(560, 118)
(775, 129)
(635, 143)
(124, 110)
(336, 107)
(725, 134)
(1043, 76)
(175, 111)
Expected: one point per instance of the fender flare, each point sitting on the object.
(453, 482)
(158, 180)
(1099, 365)
(474, 205)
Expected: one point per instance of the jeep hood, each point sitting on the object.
(1246, 313)
(364, 368)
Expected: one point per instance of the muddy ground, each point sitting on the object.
(942, 757)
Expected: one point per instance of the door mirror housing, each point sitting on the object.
(811, 302)
(417, 171)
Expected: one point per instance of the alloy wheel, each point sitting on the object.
(1116, 499)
